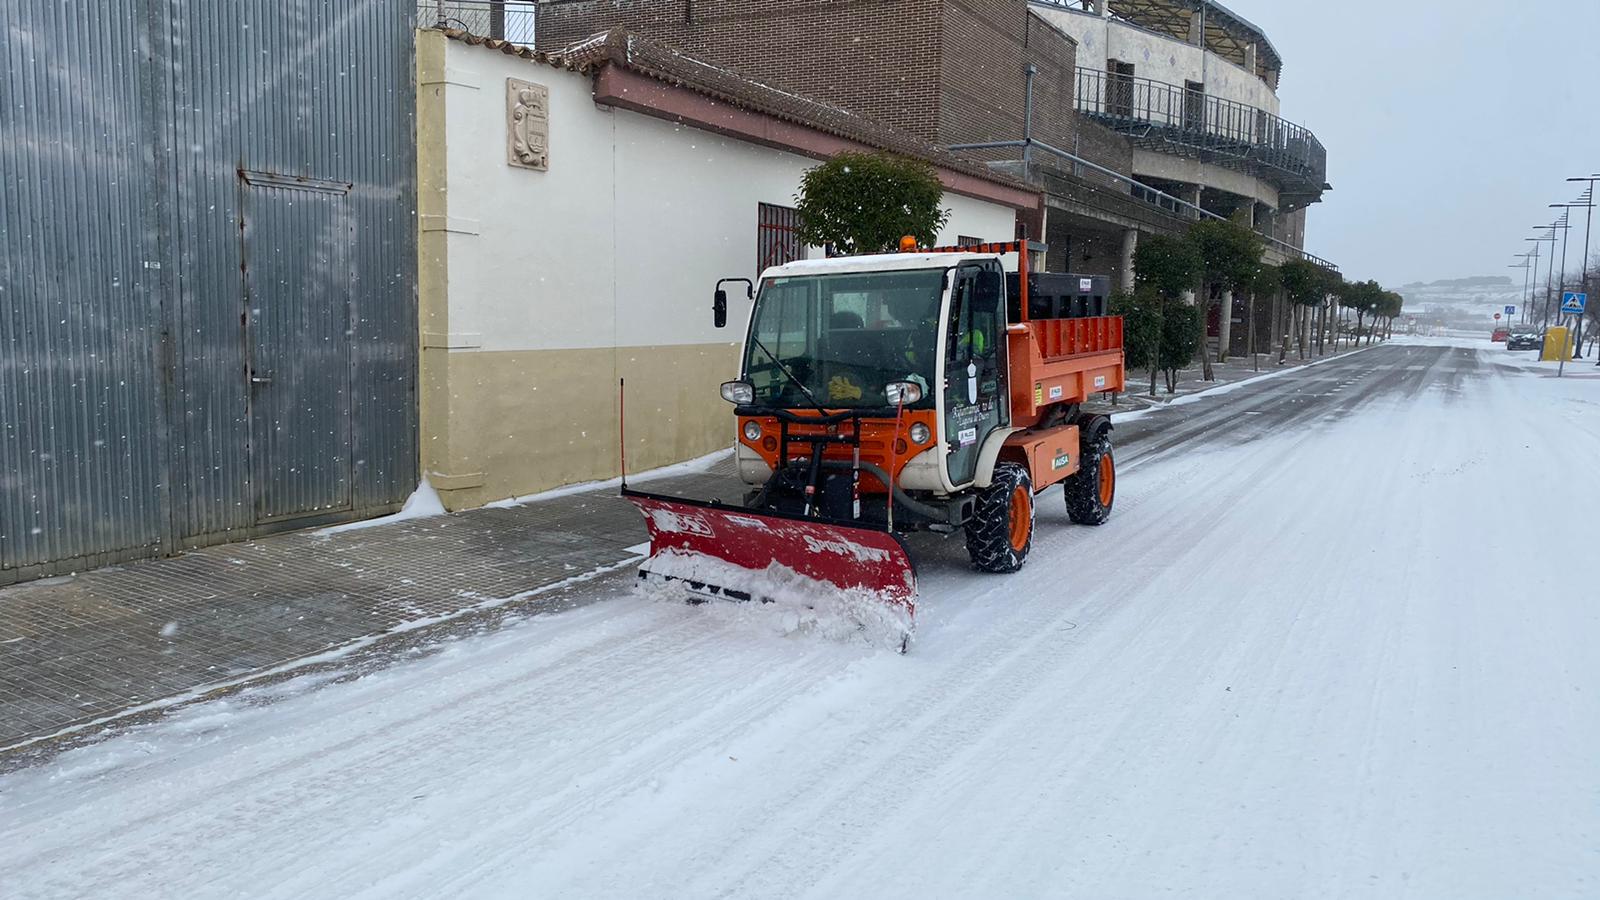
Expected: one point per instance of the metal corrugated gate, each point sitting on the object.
(207, 272)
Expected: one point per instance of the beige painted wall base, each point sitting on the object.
(525, 421)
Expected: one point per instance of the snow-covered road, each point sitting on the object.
(1348, 657)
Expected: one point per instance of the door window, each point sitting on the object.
(974, 395)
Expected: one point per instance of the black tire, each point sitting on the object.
(1086, 503)
(992, 542)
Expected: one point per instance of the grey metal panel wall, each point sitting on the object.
(319, 89)
(80, 398)
(123, 331)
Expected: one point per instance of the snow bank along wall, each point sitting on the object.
(541, 286)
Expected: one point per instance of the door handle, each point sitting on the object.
(257, 379)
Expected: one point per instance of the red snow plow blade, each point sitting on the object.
(709, 544)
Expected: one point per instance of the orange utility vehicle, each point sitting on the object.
(934, 390)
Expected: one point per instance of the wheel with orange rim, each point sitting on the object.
(1092, 490)
(1000, 533)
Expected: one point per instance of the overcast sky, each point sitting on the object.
(1449, 126)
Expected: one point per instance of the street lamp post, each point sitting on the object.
(1584, 201)
(1533, 284)
(1583, 281)
(1560, 224)
(1549, 270)
(1523, 297)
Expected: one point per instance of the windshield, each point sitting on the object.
(843, 337)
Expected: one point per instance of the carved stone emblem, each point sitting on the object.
(527, 124)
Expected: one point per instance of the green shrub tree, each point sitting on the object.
(866, 202)
(1181, 331)
(1266, 284)
(1164, 269)
(1363, 297)
(1230, 254)
(1141, 331)
(1307, 286)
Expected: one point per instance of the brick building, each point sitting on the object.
(1144, 114)
(951, 72)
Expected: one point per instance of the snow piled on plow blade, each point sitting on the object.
(836, 580)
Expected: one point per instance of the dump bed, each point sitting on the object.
(1063, 347)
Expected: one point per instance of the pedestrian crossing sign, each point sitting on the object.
(1572, 302)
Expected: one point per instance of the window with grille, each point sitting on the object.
(777, 236)
(963, 240)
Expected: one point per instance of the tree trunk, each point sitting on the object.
(1300, 330)
(1250, 335)
(1225, 327)
(1280, 327)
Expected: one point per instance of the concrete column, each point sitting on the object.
(1130, 243)
(1225, 326)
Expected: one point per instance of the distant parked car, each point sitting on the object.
(1525, 340)
(1500, 335)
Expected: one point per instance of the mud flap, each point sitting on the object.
(709, 545)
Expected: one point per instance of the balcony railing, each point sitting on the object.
(1207, 127)
(510, 20)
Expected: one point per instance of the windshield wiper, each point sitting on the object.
(788, 374)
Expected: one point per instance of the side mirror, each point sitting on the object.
(739, 393)
(719, 309)
(902, 392)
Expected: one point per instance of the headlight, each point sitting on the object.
(738, 392)
(752, 431)
(920, 433)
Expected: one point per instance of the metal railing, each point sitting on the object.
(1140, 191)
(509, 20)
(1224, 130)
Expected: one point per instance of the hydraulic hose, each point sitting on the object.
(916, 506)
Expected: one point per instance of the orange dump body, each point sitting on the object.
(1055, 361)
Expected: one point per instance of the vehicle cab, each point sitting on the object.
(909, 348)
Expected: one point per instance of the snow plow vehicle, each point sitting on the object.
(926, 390)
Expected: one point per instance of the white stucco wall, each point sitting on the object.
(621, 242)
(1158, 57)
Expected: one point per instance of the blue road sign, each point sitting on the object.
(1572, 302)
(1511, 311)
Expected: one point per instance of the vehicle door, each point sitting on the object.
(975, 401)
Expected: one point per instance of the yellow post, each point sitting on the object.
(1557, 344)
